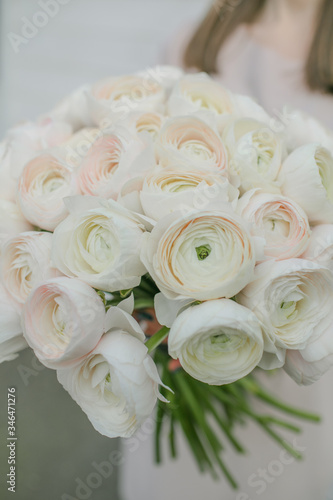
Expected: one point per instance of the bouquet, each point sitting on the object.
(162, 240)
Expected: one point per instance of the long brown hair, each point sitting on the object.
(226, 15)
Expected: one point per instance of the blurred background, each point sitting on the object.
(84, 41)
(44, 57)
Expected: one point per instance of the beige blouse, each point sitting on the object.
(248, 67)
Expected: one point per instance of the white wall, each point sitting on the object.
(85, 40)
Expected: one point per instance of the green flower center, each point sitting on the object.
(203, 251)
(220, 339)
(289, 308)
(286, 305)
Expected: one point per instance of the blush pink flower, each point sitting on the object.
(279, 220)
(44, 183)
(63, 320)
(189, 142)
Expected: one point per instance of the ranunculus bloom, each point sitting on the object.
(11, 338)
(293, 300)
(99, 242)
(307, 177)
(77, 147)
(45, 181)
(306, 372)
(195, 93)
(116, 384)
(12, 221)
(217, 341)
(25, 263)
(255, 153)
(149, 122)
(300, 128)
(63, 320)
(166, 190)
(202, 96)
(112, 99)
(45, 134)
(164, 74)
(188, 142)
(73, 109)
(320, 248)
(204, 255)
(26, 140)
(21, 144)
(138, 122)
(309, 364)
(110, 162)
(279, 220)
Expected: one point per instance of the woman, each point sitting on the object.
(281, 53)
(278, 51)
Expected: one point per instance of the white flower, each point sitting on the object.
(29, 138)
(200, 95)
(293, 301)
(138, 122)
(300, 129)
(44, 183)
(77, 147)
(116, 384)
(25, 263)
(99, 242)
(307, 177)
(165, 75)
(38, 136)
(167, 310)
(11, 338)
(166, 190)
(197, 93)
(279, 220)
(309, 364)
(112, 99)
(8, 177)
(217, 341)
(306, 372)
(203, 255)
(63, 319)
(188, 142)
(21, 144)
(320, 248)
(73, 109)
(112, 160)
(255, 153)
(12, 221)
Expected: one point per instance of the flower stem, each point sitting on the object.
(253, 387)
(148, 286)
(172, 440)
(198, 414)
(144, 303)
(157, 339)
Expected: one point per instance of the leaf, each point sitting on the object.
(125, 293)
